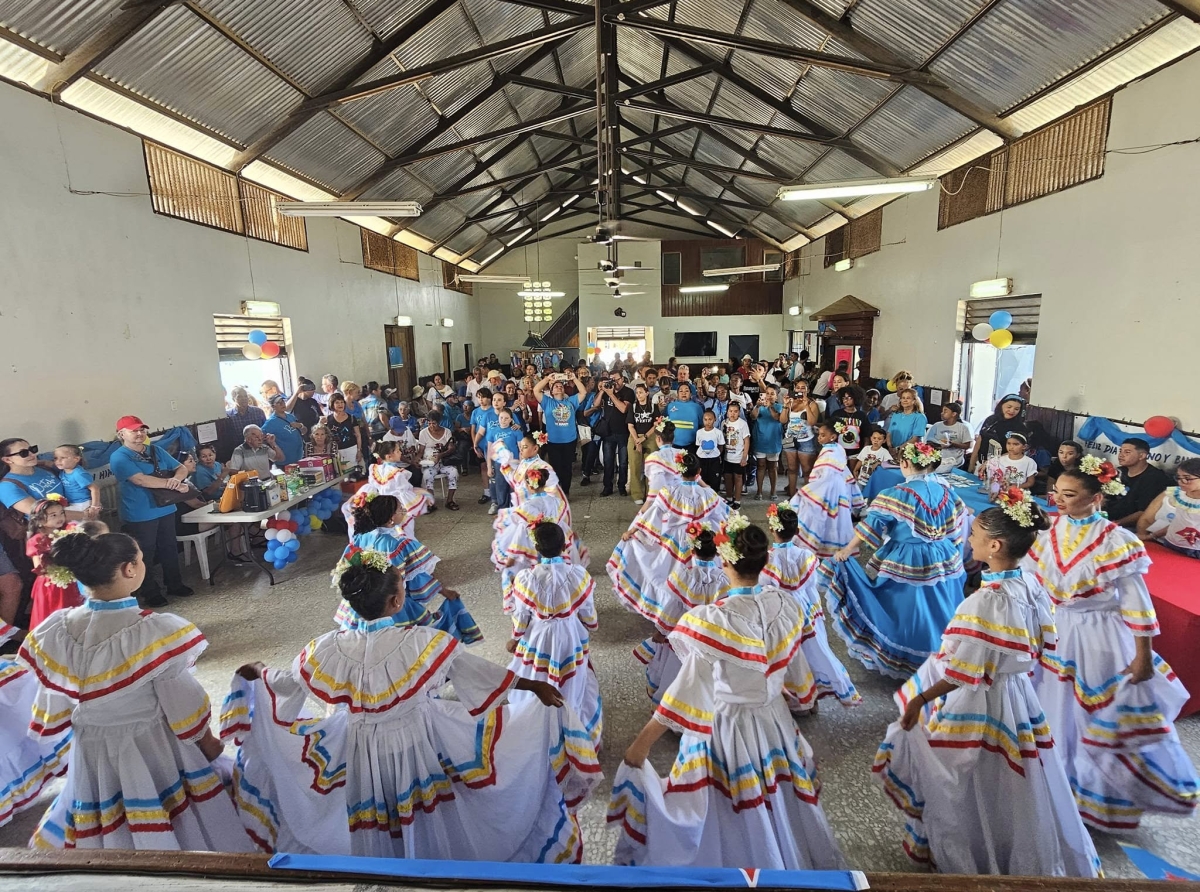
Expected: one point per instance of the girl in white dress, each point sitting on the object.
(793, 568)
(971, 761)
(697, 582)
(27, 763)
(388, 476)
(825, 506)
(1173, 518)
(553, 618)
(390, 769)
(656, 543)
(143, 769)
(662, 467)
(1111, 701)
(742, 789)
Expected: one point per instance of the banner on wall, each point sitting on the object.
(1103, 438)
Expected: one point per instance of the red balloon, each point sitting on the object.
(270, 350)
(292, 525)
(1159, 426)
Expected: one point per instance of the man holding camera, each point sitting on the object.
(615, 398)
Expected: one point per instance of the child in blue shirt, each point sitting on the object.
(83, 492)
(506, 432)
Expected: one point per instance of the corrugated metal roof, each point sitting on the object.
(915, 29)
(394, 119)
(640, 55)
(910, 126)
(501, 21)
(837, 99)
(399, 185)
(326, 150)
(451, 91)
(1023, 45)
(181, 63)
(314, 42)
(60, 25)
(450, 34)
(20, 65)
(720, 15)
(467, 239)
(386, 17)
(789, 154)
(439, 222)
(837, 165)
(443, 170)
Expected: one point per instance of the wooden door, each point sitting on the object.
(447, 365)
(402, 364)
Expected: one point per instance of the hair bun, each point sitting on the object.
(1041, 520)
(355, 581)
(73, 552)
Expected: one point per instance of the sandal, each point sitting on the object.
(452, 506)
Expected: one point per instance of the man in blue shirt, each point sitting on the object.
(558, 414)
(289, 433)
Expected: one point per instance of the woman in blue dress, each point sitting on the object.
(892, 612)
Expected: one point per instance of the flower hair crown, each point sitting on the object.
(660, 424)
(921, 454)
(362, 557)
(541, 438)
(1105, 472)
(362, 498)
(694, 531)
(773, 521)
(1017, 503)
(61, 576)
(533, 522)
(726, 538)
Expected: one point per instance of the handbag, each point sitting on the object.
(164, 497)
(12, 522)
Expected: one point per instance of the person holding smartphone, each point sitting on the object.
(562, 430)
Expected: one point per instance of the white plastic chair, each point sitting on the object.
(199, 541)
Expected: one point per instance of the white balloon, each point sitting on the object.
(272, 533)
(982, 331)
(284, 535)
(284, 515)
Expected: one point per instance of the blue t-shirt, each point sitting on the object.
(203, 477)
(76, 482)
(687, 418)
(768, 432)
(287, 438)
(509, 436)
(137, 502)
(904, 427)
(39, 484)
(560, 418)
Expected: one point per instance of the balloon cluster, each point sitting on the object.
(283, 543)
(258, 347)
(995, 330)
(322, 506)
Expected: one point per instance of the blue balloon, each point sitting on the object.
(292, 557)
(1000, 320)
(257, 336)
(279, 564)
(293, 545)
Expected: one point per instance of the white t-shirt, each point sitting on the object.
(870, 459)
(709, 443)
(737, 439)
(743, 399)
(822, 385)
(433, 445)
(1016, 471)
(473, 388)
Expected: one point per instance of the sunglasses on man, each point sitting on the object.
(23, 453)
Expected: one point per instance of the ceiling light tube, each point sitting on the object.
(738, 270)
(721, 229)
(352, 208)
(519, 237)
(541, 294)
(702, 289)
(571, 200)
(499, 280)
(992, 288)
(856, 188)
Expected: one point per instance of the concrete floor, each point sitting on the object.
(244, 619)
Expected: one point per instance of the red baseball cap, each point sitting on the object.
(130, 423)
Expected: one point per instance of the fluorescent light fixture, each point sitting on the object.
(702, 289)
(499, 280)
(404, 320)
(684, 206)
(571, 200)
(447, 322)
(551, 215)
(992, 288)
(491, 257)
(519, 237)
(856, 188)
(738, 270)
(260, 308)
(793, 311)
(353, 208)
(842, 265)
(661, 194)
(719, 228)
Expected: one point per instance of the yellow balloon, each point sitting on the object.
(891, 387)
(1001, 339)
(314, 521)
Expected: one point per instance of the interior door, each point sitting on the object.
(402, 367)
(447, 365)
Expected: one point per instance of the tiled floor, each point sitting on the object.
(245, 619)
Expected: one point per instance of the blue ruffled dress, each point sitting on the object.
(892, 613)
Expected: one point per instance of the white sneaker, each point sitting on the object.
(493, 509)
(639, 501)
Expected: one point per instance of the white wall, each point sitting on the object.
(1115, 260)
(503, 313)
(106, 308)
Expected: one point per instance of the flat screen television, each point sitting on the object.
(695, 343)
